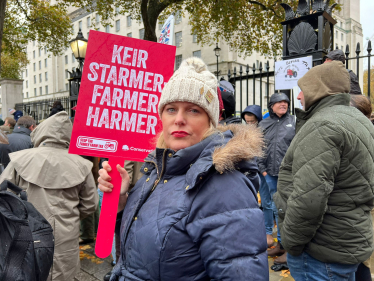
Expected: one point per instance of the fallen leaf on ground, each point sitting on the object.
(86, 247)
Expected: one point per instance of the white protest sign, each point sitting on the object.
(288, 72)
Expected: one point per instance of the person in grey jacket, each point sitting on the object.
(279, 130)
(20, 138)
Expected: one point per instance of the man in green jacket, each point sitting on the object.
(326, 181)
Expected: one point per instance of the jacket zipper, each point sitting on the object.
(275, 147)
(153, 188)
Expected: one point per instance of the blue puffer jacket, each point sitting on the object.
(201, 221)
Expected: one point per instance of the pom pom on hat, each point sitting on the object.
(193, 83)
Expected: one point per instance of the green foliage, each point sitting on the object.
(32, 20)
(12, 64)
(246, 25)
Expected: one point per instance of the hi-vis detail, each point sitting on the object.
(97, 144)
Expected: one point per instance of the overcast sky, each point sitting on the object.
(366, 16)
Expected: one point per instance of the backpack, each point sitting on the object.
(26, 238)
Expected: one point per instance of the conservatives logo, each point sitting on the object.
(127, 148)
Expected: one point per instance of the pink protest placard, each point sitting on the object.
(119, 94)
(116, 115)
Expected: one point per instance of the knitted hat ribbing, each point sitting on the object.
(193, 83)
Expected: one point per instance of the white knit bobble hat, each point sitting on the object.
(193, 83)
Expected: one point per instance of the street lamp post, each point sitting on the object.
(78, 46)
(217, 53)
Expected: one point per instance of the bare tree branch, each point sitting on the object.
(266, 8)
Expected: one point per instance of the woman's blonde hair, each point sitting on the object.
(160, 141)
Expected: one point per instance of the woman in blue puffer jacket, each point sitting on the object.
(194, 214)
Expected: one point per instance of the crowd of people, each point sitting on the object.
(191, 210)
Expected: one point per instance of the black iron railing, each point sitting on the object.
(40, 109)
(250, 84)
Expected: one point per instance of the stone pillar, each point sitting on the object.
(11, 93)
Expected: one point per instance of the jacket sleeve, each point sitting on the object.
(316, 161)
(228, 227)
(10, 174)
(88, 197)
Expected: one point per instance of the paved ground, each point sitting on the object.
(94, 268)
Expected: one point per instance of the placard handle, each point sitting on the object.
(108, 214)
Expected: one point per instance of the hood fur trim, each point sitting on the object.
(246, 144)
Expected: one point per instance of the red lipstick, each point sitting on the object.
(179, 134)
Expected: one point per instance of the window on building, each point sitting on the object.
(34, 65)
(141, 33)
(128, 20)
(178, 17)
(88, 22)
(336, 46)
(88, 34)
(34, 79)
(67, 86)
(27, 95)
(45, 62)
(336, 34)
(97, 18)
(40, 64)
(27, 73)
(33, 43)
(40, 78)
(341, 48)
(341, 25)
(107, 28)
(27, 84)
(178, 61)
(129, 34)
(46, 90)
(117, 10)
(178, 39)
(72, 58)
(72, 29)
(118, 24)
(40, 90)
(45, 50)
(46, 76)
(342, 37)
(33, 54)
(66, 74)
(35, 94)
(80, 25)
(196, 54)
(66, 59)
(194, 38)
(40, 52)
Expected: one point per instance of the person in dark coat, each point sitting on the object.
(279, 130)
(228, 100)
(20, 138)
(16, 113)
(338, 55)
(252, 114)
(56, 108)
(194, 214)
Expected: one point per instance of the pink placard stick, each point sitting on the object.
(108, 212)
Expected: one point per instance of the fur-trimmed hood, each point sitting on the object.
(233, 147)
(246, 144)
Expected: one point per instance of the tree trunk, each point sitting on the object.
(2, 19)
(150, 10)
